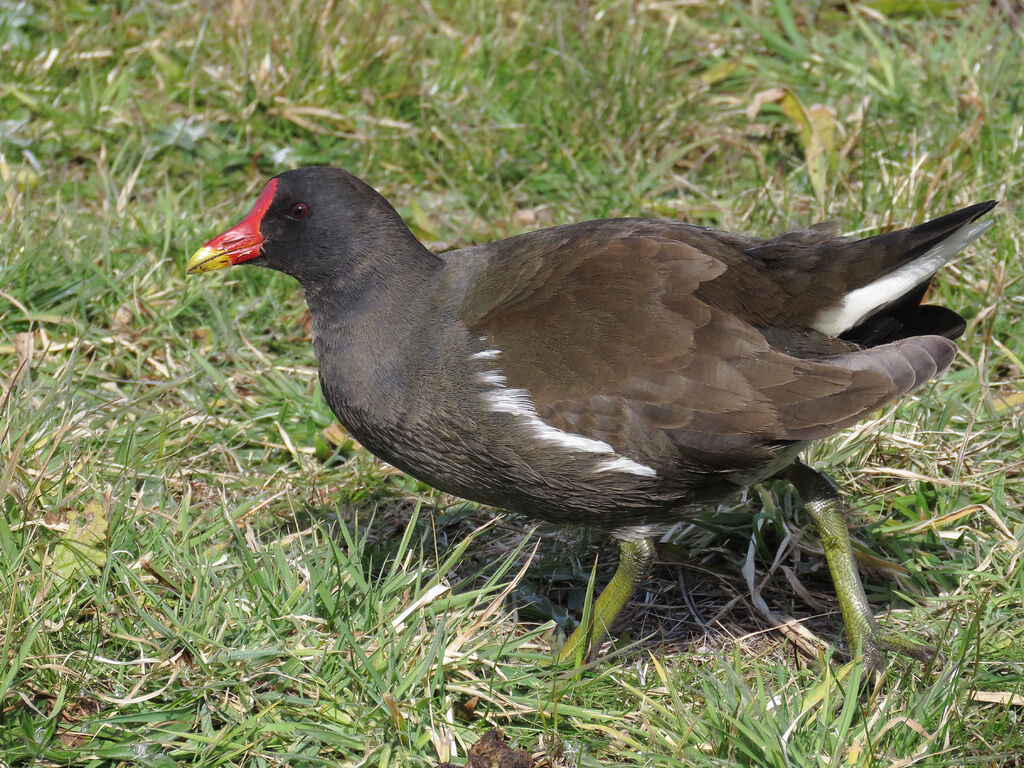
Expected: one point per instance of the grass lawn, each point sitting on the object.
(197, 568)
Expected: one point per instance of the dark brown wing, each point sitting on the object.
(610, 335)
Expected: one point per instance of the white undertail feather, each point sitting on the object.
(860, 304)
(505, 399)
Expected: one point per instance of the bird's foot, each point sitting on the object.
(635, 558)
(822, 502)
(875, 648)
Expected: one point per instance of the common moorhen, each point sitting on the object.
(622, 373)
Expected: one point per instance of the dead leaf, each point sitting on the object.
(1005, 403)
(817, 129)
(336, 435)
(525, 217)
(491, 751)
(24, 348)
(82, 550)
(762, 98)
(121, 324)
(997, 697)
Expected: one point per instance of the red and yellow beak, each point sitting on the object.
(240, 243)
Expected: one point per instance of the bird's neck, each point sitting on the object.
(367, 330)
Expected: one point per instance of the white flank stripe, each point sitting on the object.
(622, 464)
(858, 305)
(493, 378)
(508, 400)
(517, 402)
(570, 440)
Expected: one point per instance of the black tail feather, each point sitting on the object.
(914, 241)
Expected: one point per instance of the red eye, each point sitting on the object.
(298, 211)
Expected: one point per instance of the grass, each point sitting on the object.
(194, 574)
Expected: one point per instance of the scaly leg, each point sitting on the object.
(635, 558)
(822, 501)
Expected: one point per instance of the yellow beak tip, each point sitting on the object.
(207, 260)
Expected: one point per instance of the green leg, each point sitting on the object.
(635, 558)
(822, 501)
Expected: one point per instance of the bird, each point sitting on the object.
(622, 374)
